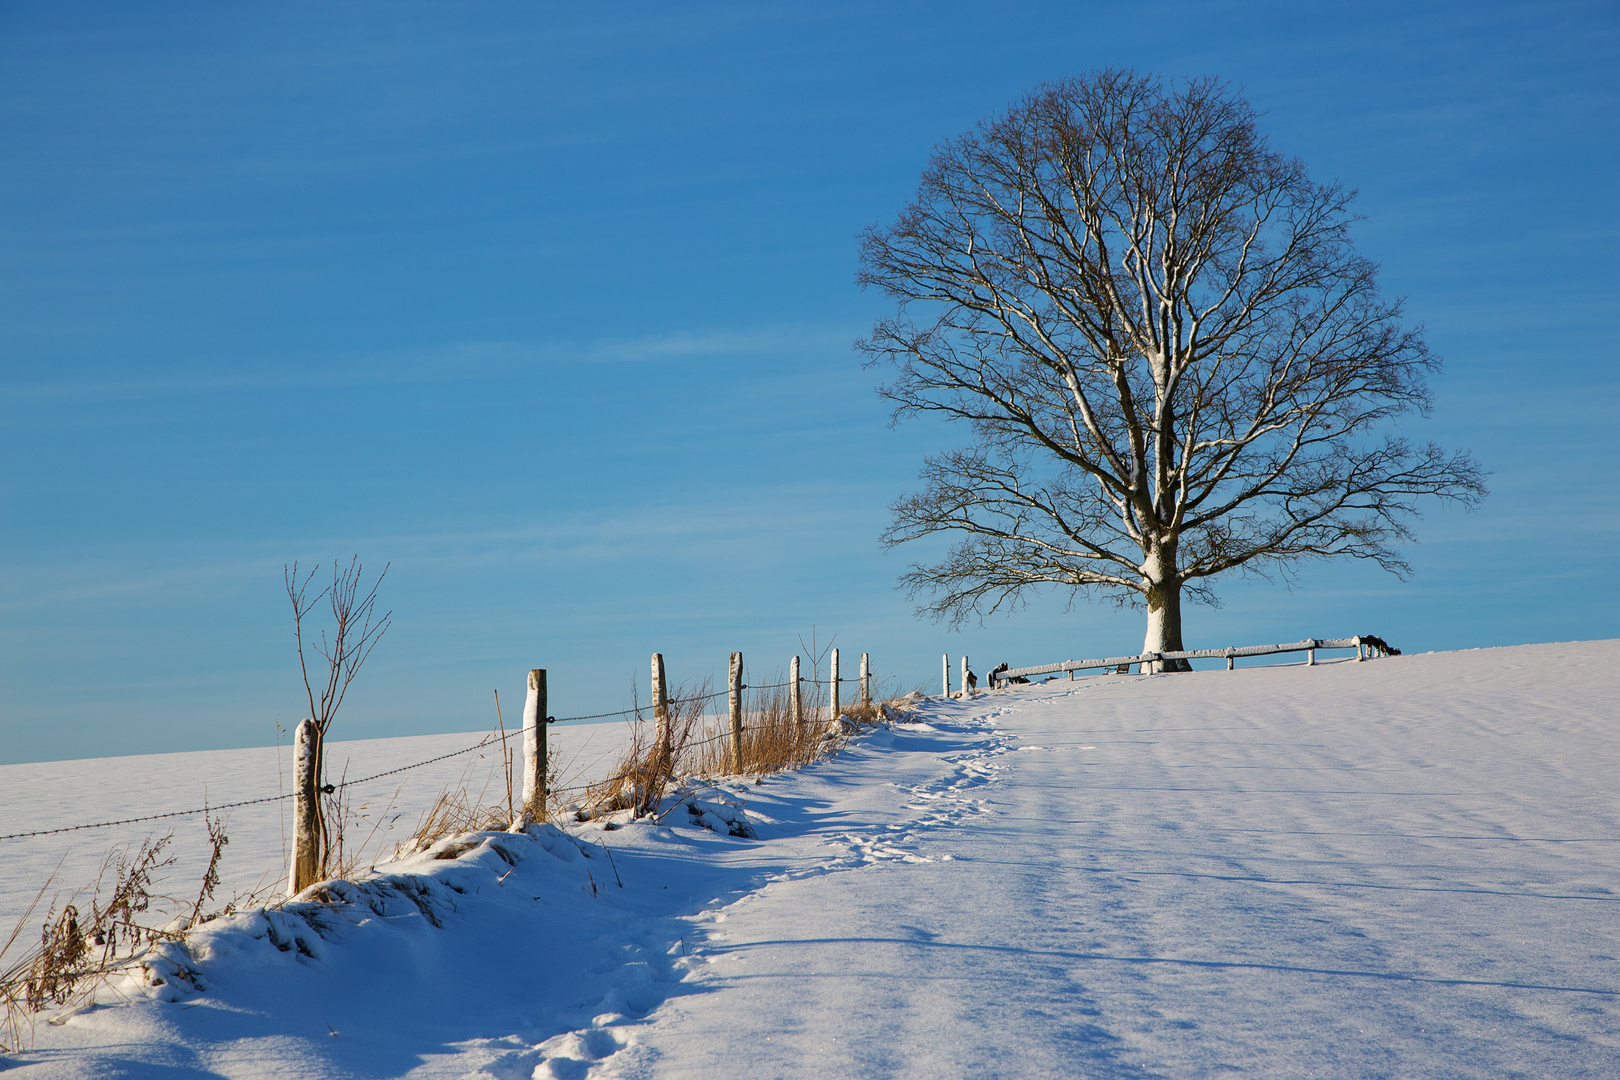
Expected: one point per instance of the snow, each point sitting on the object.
(1408, 867)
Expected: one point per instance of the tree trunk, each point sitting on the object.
(1163, 587)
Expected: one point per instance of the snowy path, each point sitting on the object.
(1403, 869)
(1408, 868)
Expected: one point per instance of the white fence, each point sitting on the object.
(1365, 647)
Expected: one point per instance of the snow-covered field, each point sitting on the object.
(1403, 868)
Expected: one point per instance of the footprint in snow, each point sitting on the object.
(569, 1056)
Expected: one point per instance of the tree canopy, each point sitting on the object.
(1172, 360)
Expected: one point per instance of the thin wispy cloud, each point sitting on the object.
(749, 524)
(461, 362)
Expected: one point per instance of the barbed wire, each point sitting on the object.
(596, 716)
(672, 701)
(488, 740)
(149, 817)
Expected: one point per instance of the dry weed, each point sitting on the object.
(76, 954)
(339, 816)
(773, 739)
(217, 839)
(457, 810)
(652, 758)
(454, 812)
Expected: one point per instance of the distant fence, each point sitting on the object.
(1366, 646)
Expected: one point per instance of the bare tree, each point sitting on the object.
(1172, 359)
(344, 646)
(354, 632)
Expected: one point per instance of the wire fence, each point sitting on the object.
(490, 740)
(628, 774)
(688, 744)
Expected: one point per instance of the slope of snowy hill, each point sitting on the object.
(1405, 868)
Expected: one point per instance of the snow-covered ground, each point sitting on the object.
(1403, 868)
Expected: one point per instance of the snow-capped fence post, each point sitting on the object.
(1310, 654)
(1357, 640)
(1232, 666)
(735, 686)
(834, 692)
(796, 692)
(866, 680)
(945, 673)
(305, 866)
(964, 683)
(534, 750)
(660, 695)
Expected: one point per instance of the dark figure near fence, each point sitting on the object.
(1379, 645)
(973, 681)
(996, 672)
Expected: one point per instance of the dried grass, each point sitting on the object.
(13, 978)
(648, 763)
(457, 810)
(454, 812)
(78, 950)
(700, 745)
(338, 817)
(773, 739)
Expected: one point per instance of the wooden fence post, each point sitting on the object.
(945, 673)
(965, 690)
(1310, 654)
(534, 751)
(306, 855)
(1230, 666)
(735, 696)
(795, 692)
(660, 694)
(866, 681)
(835, 704)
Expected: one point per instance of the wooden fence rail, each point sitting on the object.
(1363, 646)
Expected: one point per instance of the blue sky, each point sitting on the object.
(550, 306)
